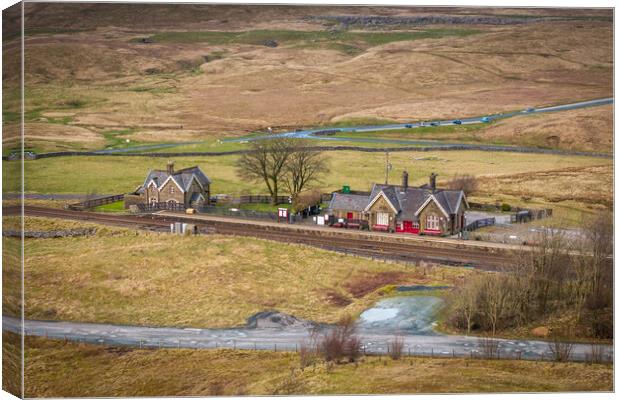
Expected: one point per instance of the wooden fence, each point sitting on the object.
(100, 201)
(479, 223)
(260, 199)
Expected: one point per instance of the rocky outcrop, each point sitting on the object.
(276, 319)
(376, 20)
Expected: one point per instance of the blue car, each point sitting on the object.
(457, 122)
(408, 126)
(485, 119)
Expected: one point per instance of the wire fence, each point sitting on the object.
(475, 350)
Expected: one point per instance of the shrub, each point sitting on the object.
(560, 350)
(505, 207)
(489, 348)
(596, 355)
(396, 348)
(341, 342)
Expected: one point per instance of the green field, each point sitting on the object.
(307, 39)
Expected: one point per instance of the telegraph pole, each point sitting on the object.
(388, 166)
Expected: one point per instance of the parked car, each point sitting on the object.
(457, 122)
(529, 110)
(434, 123)
(485, 119)
(408, 126)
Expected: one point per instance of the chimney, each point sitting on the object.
(170, 167)
(432, 181)
(405, 183)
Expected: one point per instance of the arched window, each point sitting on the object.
(153, 201)
(172, 203)
(171, 189)
(432, 222)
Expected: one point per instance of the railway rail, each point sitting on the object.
(445, 252)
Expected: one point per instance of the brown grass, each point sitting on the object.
(127, 277)
(54, 369)
(587, 185)
(360, 286)
(585, 130)
(135, 85)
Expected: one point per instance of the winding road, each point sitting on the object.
(430, 144)
(312, 133)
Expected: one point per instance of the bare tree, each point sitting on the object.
(495, 300)
(304, 167)
(266, 161)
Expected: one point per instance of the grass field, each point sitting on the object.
(57, 369)
(515, 178)
(129, 277)
(307, 39)
(118, 206)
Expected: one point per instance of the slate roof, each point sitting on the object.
(349, 202)
(405, 201)
(182, 177)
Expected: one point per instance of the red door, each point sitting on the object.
(407, 226)
(350, 215)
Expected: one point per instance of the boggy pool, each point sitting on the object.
(411, 315)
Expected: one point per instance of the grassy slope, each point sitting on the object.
(126, 277)
(103, 81)
(54, 369)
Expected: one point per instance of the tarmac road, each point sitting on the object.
(407, 317)
(311, 133)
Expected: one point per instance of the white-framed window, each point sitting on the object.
(415, 225)
(383, 218)
(432, 222)
(153, 201)
(171, 189)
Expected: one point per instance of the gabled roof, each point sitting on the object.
(389, 196)
(409, 200)
(183, 177)
(433, 198)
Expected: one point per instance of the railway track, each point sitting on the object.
(345, 242)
